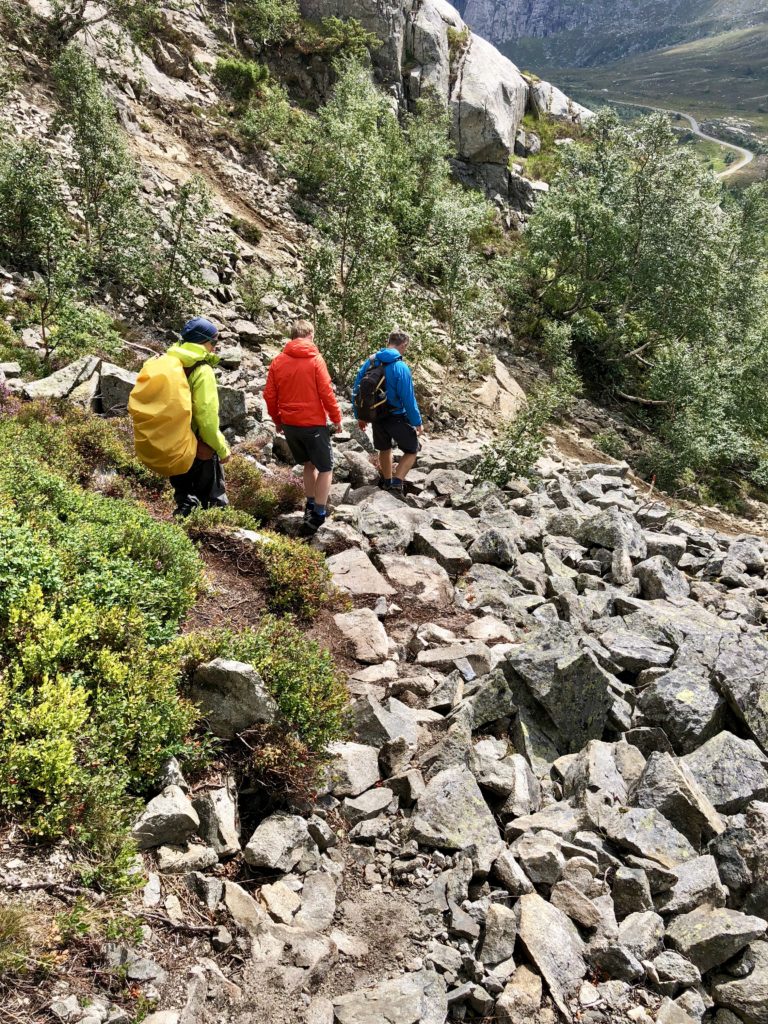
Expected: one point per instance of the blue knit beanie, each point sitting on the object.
(199, 329)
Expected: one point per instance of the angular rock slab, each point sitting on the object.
(730, 770)
(354, 768)
(232, 697)
(279, 842)
(645, 831)
(418, 998)
(685, 705)
(554, 945)
(669, 786)
(353, 571)
(748, 997)
(451, 814)
(168, 818)
(366, 634)
(428, 582)
(708, 936)
(741, 672)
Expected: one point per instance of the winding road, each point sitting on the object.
(746, 155)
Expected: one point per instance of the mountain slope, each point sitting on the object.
(574, 33)
(727, 72)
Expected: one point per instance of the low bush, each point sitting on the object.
(295, 576)
(264, 496)
(301, 676)
(89, 711)
(520, 442)
(240, 79)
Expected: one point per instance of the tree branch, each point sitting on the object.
(642, 401)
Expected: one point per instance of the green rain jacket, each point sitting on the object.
(205, 393)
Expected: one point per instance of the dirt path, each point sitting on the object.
(746, 155)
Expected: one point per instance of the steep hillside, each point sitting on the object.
(491, 749)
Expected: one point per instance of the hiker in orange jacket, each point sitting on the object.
(300, 401)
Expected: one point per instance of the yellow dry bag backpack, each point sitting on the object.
(160, 406)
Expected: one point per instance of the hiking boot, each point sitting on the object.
(383, 484)
(313, 522)
(397, 489)
(187, 507)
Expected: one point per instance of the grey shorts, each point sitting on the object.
(311, 444)
(394, 431)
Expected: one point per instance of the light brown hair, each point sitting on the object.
(302, 329)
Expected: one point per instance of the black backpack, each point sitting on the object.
(371, 397)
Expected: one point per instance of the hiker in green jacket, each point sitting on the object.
(202, 486)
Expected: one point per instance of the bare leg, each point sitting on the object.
(310, 480)
(405, 465)
(323, 488)
(385, 464)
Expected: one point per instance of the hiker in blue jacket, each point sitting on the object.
(401, 423)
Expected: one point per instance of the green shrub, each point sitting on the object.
(520, 442)
(611, 442)
(298, 579)
(89, 709)
(240, 79)
(266, 21)
(301, 676)
(253, 285)
(265, 497)
(336, 37)
(83, 330)
(272, 119)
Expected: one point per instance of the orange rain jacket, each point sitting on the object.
(299, 391)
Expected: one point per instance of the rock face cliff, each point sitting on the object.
(428, 48)
(584, 32)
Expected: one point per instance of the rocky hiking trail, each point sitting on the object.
(553, 804)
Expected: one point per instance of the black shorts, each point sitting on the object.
(394, 431)
(311, 444)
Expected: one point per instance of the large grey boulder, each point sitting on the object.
(425, 580)
(353, 571)
(451, 814)
(353, 769)
(613, 529)
(116, 385)
(418, 998)
(365, 633)
(645, 831)
(660, 580)
(219, 820)
(686, 705)
(495, 546)
(547, 99)
(232, 410)
(279, 842)
(488, 103)
(168, 818)
(500, 932)
(377, 725)
(554, 946)
(427, 43)
(232, 697)
(748, 996)
(61, 383)
(708, 936)
(697, 882)
(669, 786)
(730, 770)
(741, 672)
(445, 547)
